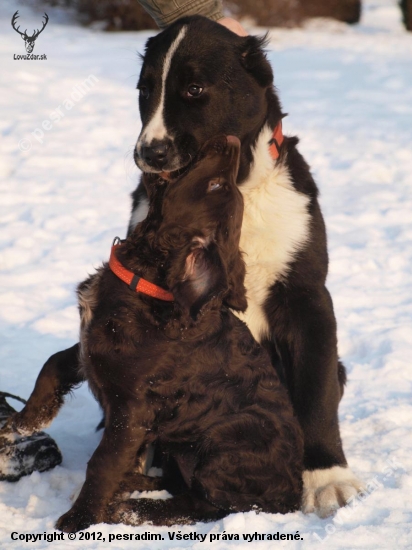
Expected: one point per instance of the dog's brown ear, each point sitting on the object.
(236, 297)
(254, 60)
(204, 279)
(208, 276)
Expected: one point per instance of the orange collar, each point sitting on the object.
(276, 142)
(134, 281)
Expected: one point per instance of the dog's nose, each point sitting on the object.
(156, 154)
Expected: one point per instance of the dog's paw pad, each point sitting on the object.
(325, 491)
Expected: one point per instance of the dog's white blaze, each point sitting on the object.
(276, 225)
(139, 213)
(156, 128)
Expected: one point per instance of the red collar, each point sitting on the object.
(134, 281)
(276, 142)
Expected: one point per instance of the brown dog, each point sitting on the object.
(185, 373)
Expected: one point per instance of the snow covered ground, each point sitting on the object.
(66, 173)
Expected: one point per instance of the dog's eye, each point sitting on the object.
(215, 183)
(144, 92)
(194, 90)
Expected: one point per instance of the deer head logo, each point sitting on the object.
(28, 40)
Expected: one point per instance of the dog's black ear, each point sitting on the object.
(253, 59)
(205, 278)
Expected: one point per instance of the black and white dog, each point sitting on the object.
(198, 79)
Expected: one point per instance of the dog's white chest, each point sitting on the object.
(276, 225)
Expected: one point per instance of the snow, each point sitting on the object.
(349, 95)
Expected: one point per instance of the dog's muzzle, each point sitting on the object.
(154, 157)
(159, 156)
(156, 154)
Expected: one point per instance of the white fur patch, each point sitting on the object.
(276, 225)
(324, 491)
(139, 213)
(156, 128)
(87, 298)
(146, 460)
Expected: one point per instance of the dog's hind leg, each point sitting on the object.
(59, 375)
(135, 481)
(185, 509)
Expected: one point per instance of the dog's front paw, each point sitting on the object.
(324, 491)
(127, 512)
(76, 520)
(147, 510)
